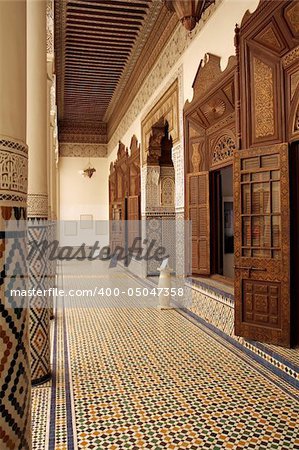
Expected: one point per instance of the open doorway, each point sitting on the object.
(222, 220)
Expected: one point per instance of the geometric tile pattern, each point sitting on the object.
(150, 379)
(39, 311)
(51, 269)
(217, 308)
(159, 229)
(15, 390)
(40, 415)
(60, 439)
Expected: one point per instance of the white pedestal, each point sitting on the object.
(165, 284)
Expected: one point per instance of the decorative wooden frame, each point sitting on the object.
(210, 142)
(267, 46)
(125, 167)
(125, 188)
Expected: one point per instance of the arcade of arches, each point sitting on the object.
(175, 126)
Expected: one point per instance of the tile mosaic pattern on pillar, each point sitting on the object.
(39, 306)
(15, 389)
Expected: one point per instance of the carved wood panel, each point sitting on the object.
(198, 211)
(262, 303)
(266, 43)
(134, 216)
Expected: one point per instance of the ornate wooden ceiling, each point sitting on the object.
(101, 47)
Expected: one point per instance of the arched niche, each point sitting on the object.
(160, 174)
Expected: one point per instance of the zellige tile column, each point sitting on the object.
(15, 387)
(37, 186)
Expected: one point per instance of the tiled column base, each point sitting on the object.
(15, 391)
(159, 229)
(52, 268)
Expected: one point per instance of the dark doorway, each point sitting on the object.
(222, 222)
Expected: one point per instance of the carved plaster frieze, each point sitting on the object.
(13, 172)
(50, 27)
(78, 149)
(37, 206)
(178, 162)
(152, 186)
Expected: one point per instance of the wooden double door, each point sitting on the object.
(125, 224)
(262, 252)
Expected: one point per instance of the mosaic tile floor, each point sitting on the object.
(128, 376)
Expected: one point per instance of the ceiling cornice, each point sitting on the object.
(161, 33)
(150, 21)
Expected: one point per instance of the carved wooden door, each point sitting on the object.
(134, 219)
(117, 226)
(198, 211)
(262, 251)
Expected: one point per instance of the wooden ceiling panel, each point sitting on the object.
(94, 42)
(102, 54)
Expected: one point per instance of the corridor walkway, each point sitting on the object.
(128, 376)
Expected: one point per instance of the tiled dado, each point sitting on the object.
(215, 308)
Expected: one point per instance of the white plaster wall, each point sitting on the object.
(216, 36)
(80, 195)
